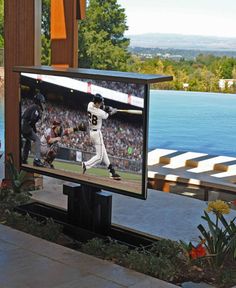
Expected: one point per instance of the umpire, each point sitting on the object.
(29, 119)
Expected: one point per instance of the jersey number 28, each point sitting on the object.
(93, 119)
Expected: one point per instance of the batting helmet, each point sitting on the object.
(97, 98)
(39, 99)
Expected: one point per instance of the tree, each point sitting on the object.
(46, 18)
(45, 31)
(227, 65)
(102, 44)
(45, 50)
(234, 72)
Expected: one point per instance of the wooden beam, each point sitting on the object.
(58, 21)
(80, 9)
(21, 48)
(64, 46)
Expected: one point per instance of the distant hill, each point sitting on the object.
(177, 54)
(178, 41)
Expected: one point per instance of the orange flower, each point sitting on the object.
(5, 184)
(193, 253)
(197, 252)
(201, 251)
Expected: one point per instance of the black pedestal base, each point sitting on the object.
(88, 215)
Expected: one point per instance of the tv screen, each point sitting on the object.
(86, 131)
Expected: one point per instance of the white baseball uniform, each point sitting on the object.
(44, 141)
(95, 124)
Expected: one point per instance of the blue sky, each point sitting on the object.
(191, 17)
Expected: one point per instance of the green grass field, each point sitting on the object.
(72, 167)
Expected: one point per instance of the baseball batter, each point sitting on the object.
(96, 115)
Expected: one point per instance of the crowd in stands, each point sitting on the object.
(127, 88)
(122, 140)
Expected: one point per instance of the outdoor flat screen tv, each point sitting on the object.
(86, 126)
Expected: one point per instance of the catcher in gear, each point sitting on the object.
(96, 113)
(51, 139)
(29, 119)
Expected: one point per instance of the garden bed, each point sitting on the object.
(163, 259)
(212, 261)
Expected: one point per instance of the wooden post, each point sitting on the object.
(64, 33)
(22, 36)
(22, 47)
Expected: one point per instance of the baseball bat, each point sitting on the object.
(130, 111)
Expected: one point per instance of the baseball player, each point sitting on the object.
(51, 138)
(96, 114)
(29, 119)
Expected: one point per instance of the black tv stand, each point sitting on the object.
(88, 215)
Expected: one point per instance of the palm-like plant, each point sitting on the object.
(18, 179)
(220, 236)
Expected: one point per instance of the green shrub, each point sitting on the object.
(95, 247)
(167, 248)
(116, 252)
(164, 259)
(148, 263)
(9, 200)
(47, 230)
(105, 249)
(227, 277)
